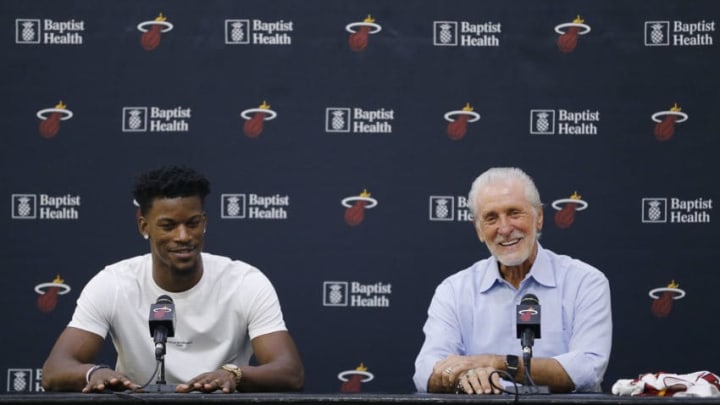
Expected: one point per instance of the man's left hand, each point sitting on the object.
(209, 382)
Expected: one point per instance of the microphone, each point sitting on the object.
(528, 329)
(528, 321)
(162, 323)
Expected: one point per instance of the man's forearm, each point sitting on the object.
(68, 377)
(549, 372)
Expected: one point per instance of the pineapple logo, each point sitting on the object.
(445, 33)
(24, 206)
(657, 33)
(337, 119)
(19, 380)
(134, 119)
(335, 293)
(442, 208)
(654, 210)
(233, 206)
(27, 31)
(237, 32)
(542, 122)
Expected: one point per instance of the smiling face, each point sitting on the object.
(175, 227)
(508, 223)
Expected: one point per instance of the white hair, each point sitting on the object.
(504, 175)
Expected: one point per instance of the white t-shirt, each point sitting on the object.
(215, 320)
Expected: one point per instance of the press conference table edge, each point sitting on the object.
(342, 398)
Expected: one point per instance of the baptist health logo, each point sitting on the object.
(21, 380)
(679, 33)
(564, 122)
(258, 32)
(355, 294)
(464, 33)
(449, 208)
(156, 119)
(676, 210)
(254, 206)
(358, 120)
(44, 206)
(30, 31)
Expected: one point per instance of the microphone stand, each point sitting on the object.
(161, 375)
(160, 384)
(529, 387)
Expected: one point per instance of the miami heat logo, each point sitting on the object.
(255, 119)
(50, 119)
(152, 31)
(353, 379)
(666, 120)
(566, 208)
(568, 40)
(360, 31)
(49, 292)
(527, 314)
(458, 121)
(663, 299)
(356, 206)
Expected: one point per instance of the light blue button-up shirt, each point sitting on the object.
(473, 312)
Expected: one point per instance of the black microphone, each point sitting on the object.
(162, 323)
(528, 329)
(528, 321)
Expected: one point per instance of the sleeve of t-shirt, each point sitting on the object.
(93, 310)
(265, 314)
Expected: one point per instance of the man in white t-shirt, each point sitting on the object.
(226, 311)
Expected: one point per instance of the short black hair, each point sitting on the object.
(169, 182)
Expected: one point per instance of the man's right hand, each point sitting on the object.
(108, 379)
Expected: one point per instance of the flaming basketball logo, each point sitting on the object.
(527, 314)
(457, 127)
(47, 301)
(356, 378)
(150, 38)
(360, 31)
(50, 119)
(568, 40)
(356, 206)
(255, 119)
(566, 208)
(666, 120)
(662, 303)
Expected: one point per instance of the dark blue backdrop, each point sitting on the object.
(649, 216)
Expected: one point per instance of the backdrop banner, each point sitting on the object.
(341, 139)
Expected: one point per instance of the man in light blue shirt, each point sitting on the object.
(471, 330)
